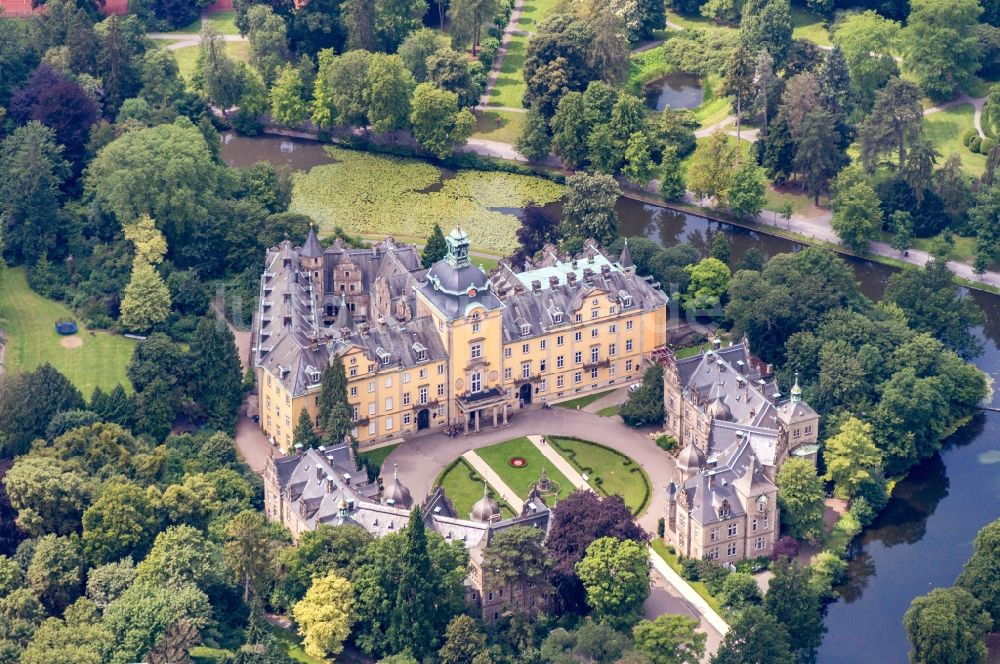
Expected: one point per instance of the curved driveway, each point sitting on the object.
(421, 458)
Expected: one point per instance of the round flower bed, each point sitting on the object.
(518, 462)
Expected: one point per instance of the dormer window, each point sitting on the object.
(557, 317)
(314, 374)
(421, 351)
(625, 299)
(724, 511)
(525, 329)
(383, 355)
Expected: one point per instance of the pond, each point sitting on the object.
(924, 535)
(676, 90)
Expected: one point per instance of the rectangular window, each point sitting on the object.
(371, 409)
(406, 377)
(559, 340)
(354, 413)
(543, 344)
(713, 535)
(440, 369)
(594, 313)
(578, 336)
(612, 349)
(732, 530)
(422, 395)
(388, 403)
(475, 327)
(354, 372)
(628, 345)
(441, 390)
(559, 381)
(595, 353)
(560, 362)
(593, 373)
(371, 386)
(612, 329)
(753, 525)
(406, 419)
(760, 543)
(542, 365)
(525, 369)
(406, 398)
(731, 549)
(423, 373)
(612, 368)
(388, 424)
(797, 433)
(477, 351)
(628, 325)
(525, 348)
(476, 382)
(594, 332)
(506, 352)
(577, 357)
(765, 521)
(388, 381)
(628, 366)
(579, 317)
(354, 390)
(809, 429)
(612, 310)
(578, 377)
(507, 373)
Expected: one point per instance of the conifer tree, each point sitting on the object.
(305, 434)
(334, 416)
(435, 249)
(412, 622)
(216, 375)
(147, 299)
(671, 176)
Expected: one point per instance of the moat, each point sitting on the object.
(924, 535)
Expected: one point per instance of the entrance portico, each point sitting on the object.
(474, 405)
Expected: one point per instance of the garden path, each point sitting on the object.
(611, 399)
(509, 33)
(977, 104)
(563, 466)
(672, 577)
(494, 480)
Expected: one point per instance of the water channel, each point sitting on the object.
(924, 535)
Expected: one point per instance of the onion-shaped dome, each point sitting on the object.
(396, 494)
(690, 459)
(719, 410)
(485, 509)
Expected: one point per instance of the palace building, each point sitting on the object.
(448, 346)
(735, 429)
(323, 487)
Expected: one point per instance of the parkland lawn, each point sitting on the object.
(28, 322)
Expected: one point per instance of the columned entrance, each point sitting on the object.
(477, 408)
(423, 419)
(525, 393)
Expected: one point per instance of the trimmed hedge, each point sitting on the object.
(968, 135)
(987, 144)
(975, 143)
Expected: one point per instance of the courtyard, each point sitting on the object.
(556, 466)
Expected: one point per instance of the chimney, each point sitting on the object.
(571, 278)
(319, 472)
(605, 269)
(588, 274)
(553, 281)
(330, 486)
(536, 286)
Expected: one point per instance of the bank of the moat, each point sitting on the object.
(924, 535)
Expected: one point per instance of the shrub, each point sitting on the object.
(862, 511)
(666, 442)
(661, 527)
(787, 548)
(968, 135)
(690, 569)
(987, 144)
(828, 571)
(975, 143)
(488, 51)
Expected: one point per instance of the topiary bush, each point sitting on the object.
(968, 135)
(987, 144)
(975, 143)
(488, 51)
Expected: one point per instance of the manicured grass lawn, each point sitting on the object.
(533, 12)
(488, 264)
(378, 456)
(187, 57)
(713, 109)
(964, 249)
(28, 322)
(503, 126)
(681, 353)
(699, 586)
(945, 129)
(521, 479)
(612, 469)
(581, 402)
(224, 22)
(292, 645)
(610, 411)
(696, 22)
(775, 199)
(192, 28)
(510, 86)
(464, 486)
(809, 26)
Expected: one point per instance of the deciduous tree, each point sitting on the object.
(439, 125)
(755, 636)
(857, 217)
(589, 210)
(981, 574)
(615, 576)
(867, 39)
(851, 457)
(800, 494)
(947, 625)
(940, 44)
(711, 170)
(797, 605)
(670, 639)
